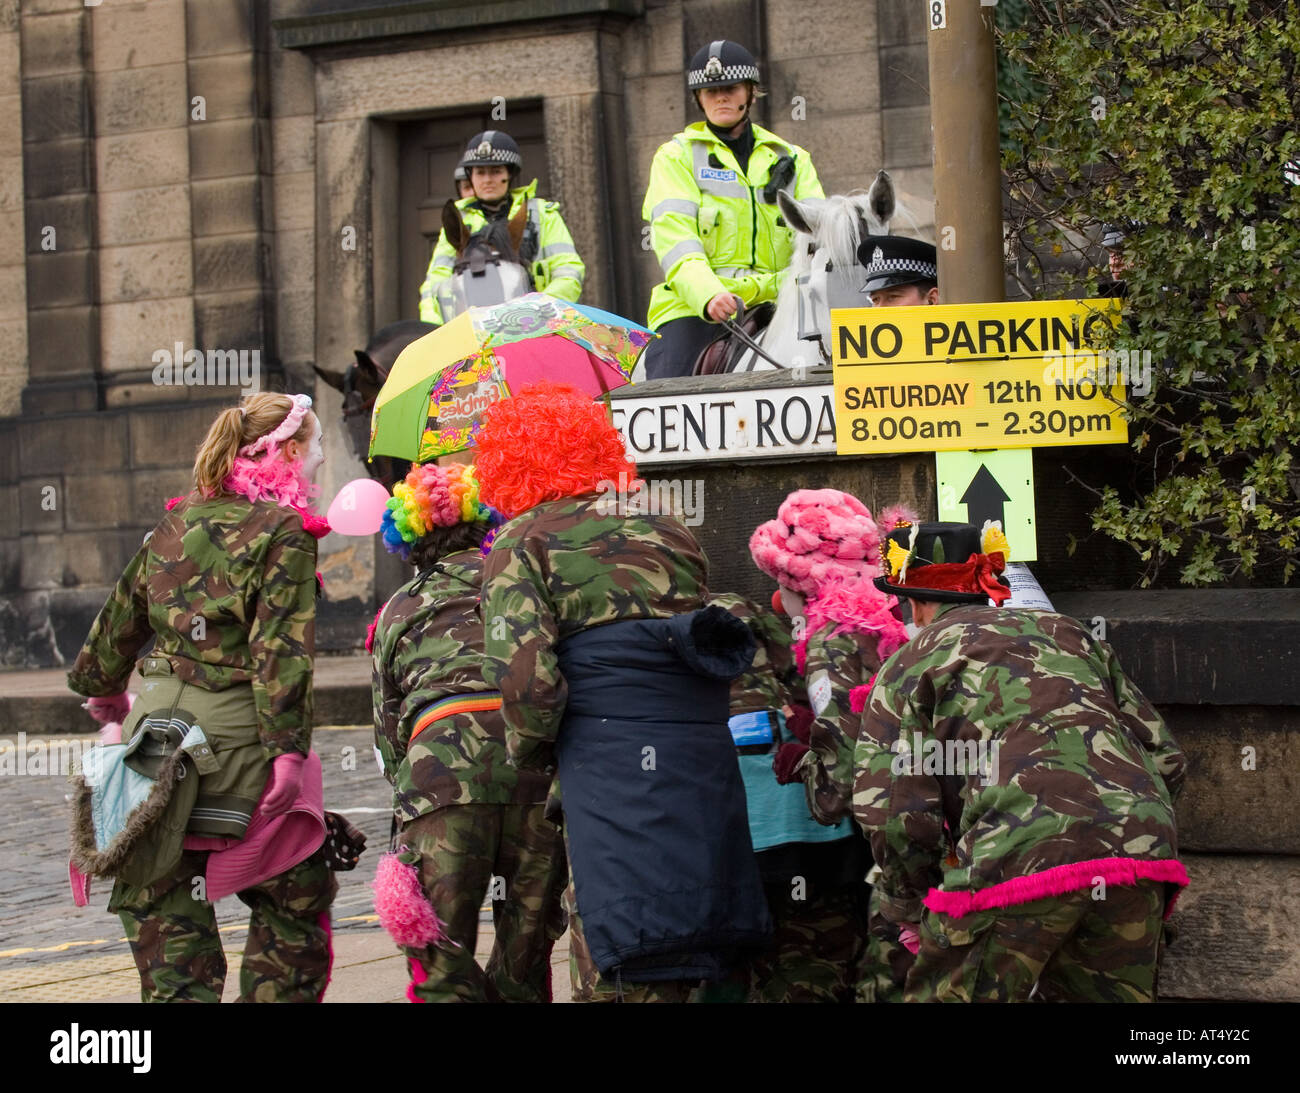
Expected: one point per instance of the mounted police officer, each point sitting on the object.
(460, 176)
(547, 251)
(711, 205)
(901, 272)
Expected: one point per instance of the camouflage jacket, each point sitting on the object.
(772, 681)
(834, 667)
(227, 588)
(428, 646)
(1071, 763)
(566, 566)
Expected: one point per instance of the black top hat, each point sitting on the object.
(940, 566)
(897, 260)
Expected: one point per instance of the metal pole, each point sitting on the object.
(967, 173)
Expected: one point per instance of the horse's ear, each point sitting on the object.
(454, 226)
(334, 379)
(803, 216)
(881, 200)
(366, 366)
(517, 224)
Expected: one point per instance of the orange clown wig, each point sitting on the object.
(548, 442)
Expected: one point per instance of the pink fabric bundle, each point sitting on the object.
(818, 536)
(826, 545)
(403, 909)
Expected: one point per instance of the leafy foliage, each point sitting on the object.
(1177, 121)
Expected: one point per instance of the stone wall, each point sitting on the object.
(187, 168)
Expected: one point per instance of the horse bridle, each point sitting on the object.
(354, 406)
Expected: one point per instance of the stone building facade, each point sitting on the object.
(265, 177)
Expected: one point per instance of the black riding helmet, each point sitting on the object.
(720, 64)
(493, 148)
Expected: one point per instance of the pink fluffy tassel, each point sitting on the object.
(402, 907)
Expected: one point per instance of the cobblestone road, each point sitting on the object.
(38, 921)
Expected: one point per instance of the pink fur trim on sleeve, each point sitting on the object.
(1060, 879)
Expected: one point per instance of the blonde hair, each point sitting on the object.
(255, 416)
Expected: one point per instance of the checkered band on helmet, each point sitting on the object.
(903, 265)
(491, 148)
(719, 64)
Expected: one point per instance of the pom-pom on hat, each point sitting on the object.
(548, 442)
(431, 496)
(819, 537)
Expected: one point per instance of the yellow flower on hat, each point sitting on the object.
(897, 557)
(993, 541)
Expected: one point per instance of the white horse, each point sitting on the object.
(824, 273)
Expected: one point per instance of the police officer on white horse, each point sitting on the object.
(711, 204)
(494, 163)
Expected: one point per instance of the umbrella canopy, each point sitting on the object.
(434, 398)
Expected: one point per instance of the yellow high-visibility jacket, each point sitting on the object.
(710, 226)
(556, 267)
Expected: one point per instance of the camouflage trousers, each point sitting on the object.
(819, 949)
(1068, 948)
(588, 984)
(177, 948)
(887, 961)
(511, 854)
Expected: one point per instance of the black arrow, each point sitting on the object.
(984, 498)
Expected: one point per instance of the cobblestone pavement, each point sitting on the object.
(52, 950)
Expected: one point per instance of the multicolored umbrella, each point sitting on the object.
(433, 400)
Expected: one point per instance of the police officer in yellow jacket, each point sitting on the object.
(493, 162)
(711, 204)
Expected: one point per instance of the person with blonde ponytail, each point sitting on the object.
(225, 587)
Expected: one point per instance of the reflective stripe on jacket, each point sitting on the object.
(556, 267)
(711, 228)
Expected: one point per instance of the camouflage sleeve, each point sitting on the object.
(282, 643)
(775, 635)
(901, 812)
(104, 665)
(835, 666)
(1145, 722)
(519, 637)
(386, 698)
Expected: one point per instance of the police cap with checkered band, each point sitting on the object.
(897, 260)
(492, 148)
(720, 64)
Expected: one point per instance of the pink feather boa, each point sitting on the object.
(278, 480)
(403, 908)
(854, 606)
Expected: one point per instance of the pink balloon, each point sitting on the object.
(359, 508)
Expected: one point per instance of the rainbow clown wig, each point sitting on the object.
(433, 497)
(548, 442)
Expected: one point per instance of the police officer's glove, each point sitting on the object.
(786, 759)
(799, 721)
(283, 786)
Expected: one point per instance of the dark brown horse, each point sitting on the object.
(491, 264)
(360, 383)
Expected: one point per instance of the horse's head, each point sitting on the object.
(488, 267)
(360, 383)
(825, 266)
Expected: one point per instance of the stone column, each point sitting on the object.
(13, 261)
(58, 190)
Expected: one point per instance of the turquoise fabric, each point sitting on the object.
(779, 814)
(115, 790)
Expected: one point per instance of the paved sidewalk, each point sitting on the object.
(367, 968)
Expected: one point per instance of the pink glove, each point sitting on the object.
(284, 784)
(108, 709)
(909, 938)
